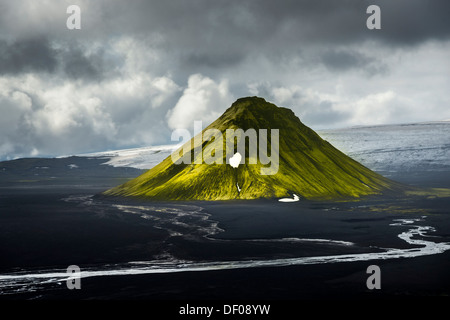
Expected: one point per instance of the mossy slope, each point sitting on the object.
(308, 165)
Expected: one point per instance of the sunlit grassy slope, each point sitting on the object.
(308, 165)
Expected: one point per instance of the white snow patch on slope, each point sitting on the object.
(235, 160)
(295, 199)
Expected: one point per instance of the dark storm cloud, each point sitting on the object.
(403, 21)
(338, 60)
(31, 55)
(409, 22)
(197, 60)
(343, 60)
(213, 36)
(221, 34)
(77, 64)
(248, 25)
(38, 55)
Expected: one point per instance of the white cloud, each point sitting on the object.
(372, 109)
(203, 99)
(14, 106)
(140, 54)
(324, 110)
(57, 117)
(162, 88)
(413, 89)
(97, 117)
(59, 113)
(313, 107)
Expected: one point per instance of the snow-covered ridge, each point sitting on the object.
(404, 147)
(140, 158)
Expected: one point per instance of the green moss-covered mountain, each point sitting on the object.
(309, 166)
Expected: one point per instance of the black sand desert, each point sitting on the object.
(235, 250)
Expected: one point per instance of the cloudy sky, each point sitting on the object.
(138, 69)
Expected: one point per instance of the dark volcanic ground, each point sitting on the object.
(50, 219)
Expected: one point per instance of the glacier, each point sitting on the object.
(396, 148)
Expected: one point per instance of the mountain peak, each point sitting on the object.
(252, 104)
(306, 165)
(251, 101)
(254, 112)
